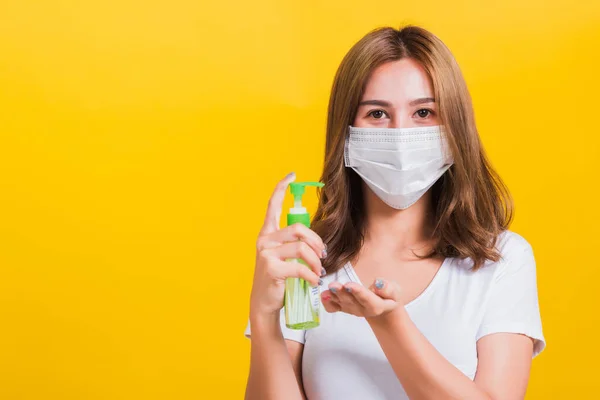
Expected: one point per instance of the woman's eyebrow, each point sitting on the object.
(384, 103)
(381, 103)
(422, 100)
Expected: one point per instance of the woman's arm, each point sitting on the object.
(504, 357)
(275, 363)
(275, 372)
(503, 370)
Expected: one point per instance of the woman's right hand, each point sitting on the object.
(273, 247)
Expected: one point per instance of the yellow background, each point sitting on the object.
(140, 140)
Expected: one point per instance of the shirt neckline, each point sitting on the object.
(429, 288)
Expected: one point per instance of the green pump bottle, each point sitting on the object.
(301, 301)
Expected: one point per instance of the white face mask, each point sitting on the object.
(398, 164)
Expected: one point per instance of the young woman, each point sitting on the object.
(429, 296)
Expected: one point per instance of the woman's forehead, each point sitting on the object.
(398, 82)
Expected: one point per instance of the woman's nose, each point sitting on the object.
(400, 121)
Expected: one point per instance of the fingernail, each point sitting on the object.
(320, 282)
(290, 175)
(379, 283)
(333, 290)
(324, 253)
(326, 298)
(348, 289)
(323, 272)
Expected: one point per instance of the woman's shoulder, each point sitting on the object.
(510, 243)
(512, 248)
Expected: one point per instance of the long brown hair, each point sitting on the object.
(471, 204)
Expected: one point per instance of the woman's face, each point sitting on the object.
(398, 95)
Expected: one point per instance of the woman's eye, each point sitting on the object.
(424, 112)
(377, 114)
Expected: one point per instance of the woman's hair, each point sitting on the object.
(471, 205)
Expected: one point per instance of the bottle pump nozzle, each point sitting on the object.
(298, 213)
(297, 189)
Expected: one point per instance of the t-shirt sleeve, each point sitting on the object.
(513, 303)
(289, 334)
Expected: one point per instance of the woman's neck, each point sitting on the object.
(398, 231)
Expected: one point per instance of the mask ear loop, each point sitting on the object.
(346, 150)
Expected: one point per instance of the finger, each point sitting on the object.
(329, 302)
(271, 223)
(335, 288)
(386, 289)
(280, 270)
(296, 232)
(294, 269)
(298, 249)
(362, 295)
(332, 307)
(344, 296)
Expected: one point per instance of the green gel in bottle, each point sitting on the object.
(301, 301)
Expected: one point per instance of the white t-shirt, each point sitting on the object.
(342, 358)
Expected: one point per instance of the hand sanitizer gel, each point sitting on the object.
(301, 301)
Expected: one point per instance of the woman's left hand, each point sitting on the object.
(353, 298)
